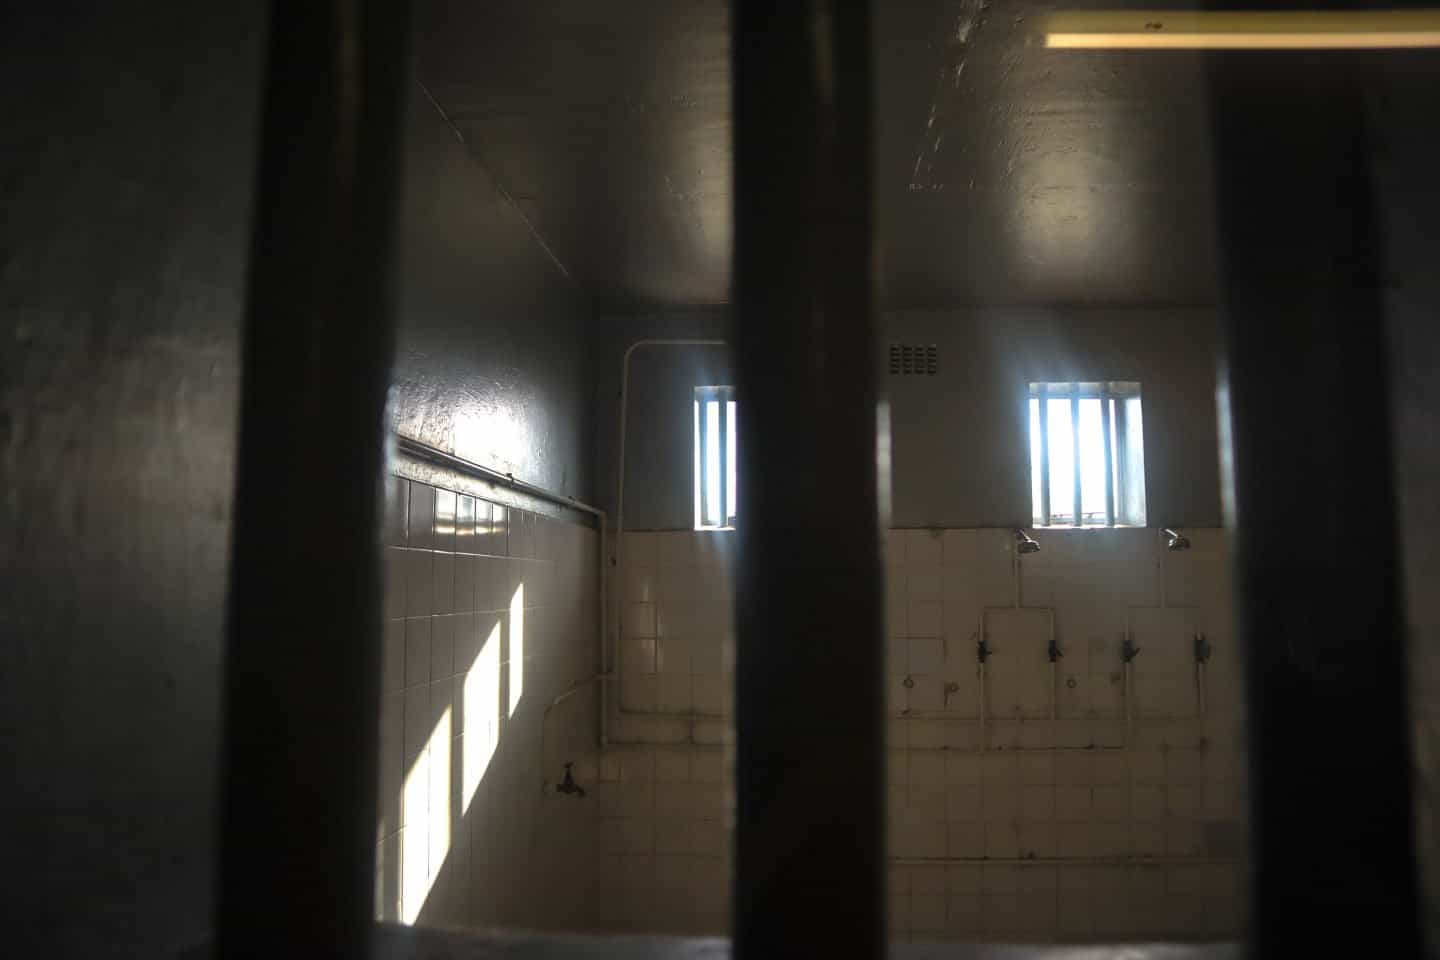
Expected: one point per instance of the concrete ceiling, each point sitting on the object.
(1006, 173)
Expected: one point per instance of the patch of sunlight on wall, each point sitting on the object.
(425, 841)
(482, 716)
(425, 794)
(517, 647)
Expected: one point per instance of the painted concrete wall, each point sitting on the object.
(959, 440)
(490, 361)
(126, 174)
(126, 161)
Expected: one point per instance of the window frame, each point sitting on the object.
(725, 397)
(1116, 443)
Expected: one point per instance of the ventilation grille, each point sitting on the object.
(914, 359)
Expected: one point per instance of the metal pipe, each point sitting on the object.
(423, 451)
(805, 365)
(305, 585)
(618, 560)
(558, 699)
(984, 708)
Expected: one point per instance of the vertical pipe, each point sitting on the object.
(1109, 456)
(1309, 490)
(1075, 449)
(1044, 456)
(298, 805)
(809, 871)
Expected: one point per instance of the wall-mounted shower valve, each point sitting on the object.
(1202, 649)
(1054, 651)
(982, 650)
(1128, 650)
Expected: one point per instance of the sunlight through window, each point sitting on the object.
(715, 458)
(482, 717)
(1086, 439)
(425, 840)
(517, 647)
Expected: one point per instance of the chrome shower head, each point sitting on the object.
(1024, 543)
(1174, 541)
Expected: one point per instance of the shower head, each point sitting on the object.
(1173, 540)
(1024, 543)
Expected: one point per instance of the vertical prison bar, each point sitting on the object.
(302, 665)
(1309, 484)
(809, 877)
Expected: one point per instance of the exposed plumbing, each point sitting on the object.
(1024, 543)
(1174, 541)
(568, 786)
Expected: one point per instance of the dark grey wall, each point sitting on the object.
(126, 166)
(126, 158)
(959, 447)
(491, 354)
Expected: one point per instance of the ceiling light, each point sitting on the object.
(1225, 30)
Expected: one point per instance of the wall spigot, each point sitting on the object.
(568, 786)
(1128, 650)
(1202, 649)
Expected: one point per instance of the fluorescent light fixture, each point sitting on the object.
(1291, 30)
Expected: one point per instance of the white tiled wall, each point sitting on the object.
(489, 617)
(1091, 803)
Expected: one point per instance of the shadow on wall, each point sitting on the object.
(487, 610)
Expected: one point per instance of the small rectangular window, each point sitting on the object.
(1087, 454)
(715, 458)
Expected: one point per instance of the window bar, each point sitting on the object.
(723, 474)
(1122, 468)
(704, 403)
(1109, 456)
(1044, 456)
(1075, 449)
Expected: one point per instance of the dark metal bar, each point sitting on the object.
(1310, 478)
(423, 451)
(1109, 456)
(1075, 449)
(809, 871)
(297, 841)
(1044, 456)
